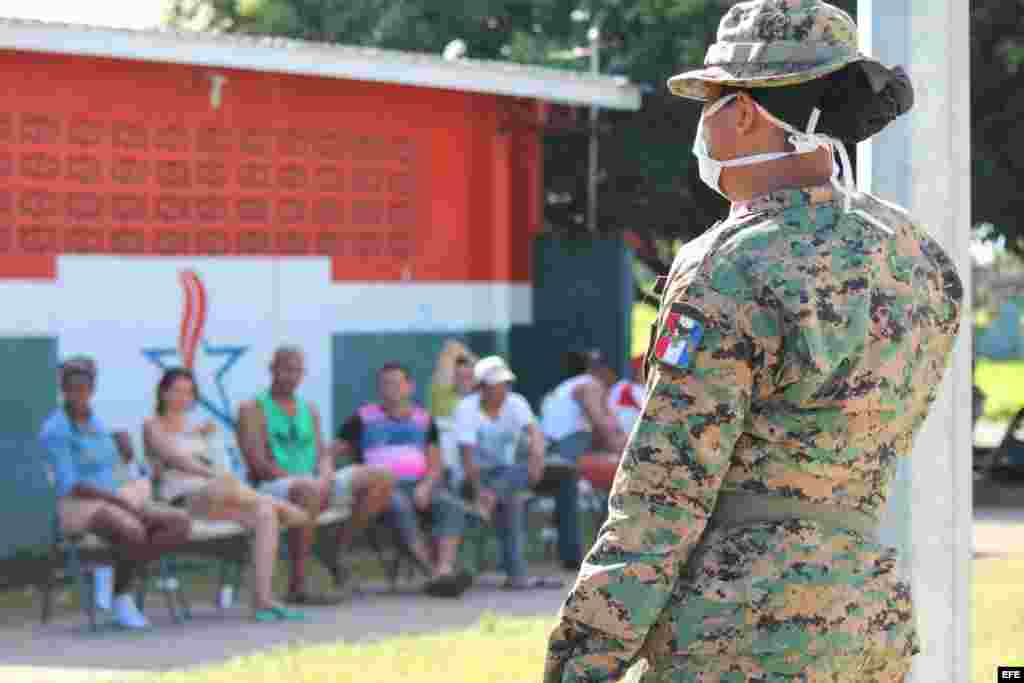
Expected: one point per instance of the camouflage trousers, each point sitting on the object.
(865, 667)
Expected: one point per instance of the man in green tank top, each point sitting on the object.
(280, 437)
(291, 438)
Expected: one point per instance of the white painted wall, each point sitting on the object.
(115, 308)
(922, 162)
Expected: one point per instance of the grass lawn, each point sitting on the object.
(511, 650)
(997, 624)
(1003, 384)
(494, 651)
(643, 316)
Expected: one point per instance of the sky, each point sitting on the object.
(120, 13)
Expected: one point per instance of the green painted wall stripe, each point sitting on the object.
(29, 390)
(357, 357)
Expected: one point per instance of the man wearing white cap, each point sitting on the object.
(489, 428)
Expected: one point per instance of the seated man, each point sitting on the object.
(489, 426)
(400, 437)
(129, 468)
(84, 457)
(279, 435)
(577, 421)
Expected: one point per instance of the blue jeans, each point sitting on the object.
(558, 483)
(511, 484)
(568, 449)
(561, 484)
(446, 518)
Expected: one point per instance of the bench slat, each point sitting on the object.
(208, 530)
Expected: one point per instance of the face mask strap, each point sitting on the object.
(803, 143)
(810, 141)
(849, 187)
(812, 122)
(701, 148)
(718, 105)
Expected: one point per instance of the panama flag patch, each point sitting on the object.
(679, 337)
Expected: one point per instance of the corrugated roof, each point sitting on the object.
(280, 55)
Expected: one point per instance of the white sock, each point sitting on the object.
(126, 614)
(104, 587)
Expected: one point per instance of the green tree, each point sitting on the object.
(649, 189)
(997, 119)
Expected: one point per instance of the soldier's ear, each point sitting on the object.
(747, 114)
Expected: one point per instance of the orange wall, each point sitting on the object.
(113, 156)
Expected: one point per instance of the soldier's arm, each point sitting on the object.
(664, 494)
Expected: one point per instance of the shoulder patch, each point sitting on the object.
(679, 336)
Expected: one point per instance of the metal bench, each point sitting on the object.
(33, 552)
(226, 541)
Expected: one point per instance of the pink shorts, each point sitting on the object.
(76, 514)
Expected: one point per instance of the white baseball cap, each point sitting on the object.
(492, 370)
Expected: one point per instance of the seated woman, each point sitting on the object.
(452, 380)
(84, 456)
(188, 477)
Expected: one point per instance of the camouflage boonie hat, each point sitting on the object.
(773, 43)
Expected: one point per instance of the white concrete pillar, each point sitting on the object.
(922, 162)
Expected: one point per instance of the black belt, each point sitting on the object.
(744, 509)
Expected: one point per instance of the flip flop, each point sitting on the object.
(278, 614)
(265, 615)
(288, 614)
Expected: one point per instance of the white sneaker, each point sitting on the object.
(127, 615)
(104, 587)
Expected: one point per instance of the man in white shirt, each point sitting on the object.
(490, 428)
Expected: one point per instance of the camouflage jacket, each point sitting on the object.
(796, 353)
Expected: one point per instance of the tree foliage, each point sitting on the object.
(997, 118)
(649, 188)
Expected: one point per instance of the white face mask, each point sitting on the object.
(711, 168)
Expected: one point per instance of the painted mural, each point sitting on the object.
(149, 223)
(211, 364)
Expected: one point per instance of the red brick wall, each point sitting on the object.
(103, 156)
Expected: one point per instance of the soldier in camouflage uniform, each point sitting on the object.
(797, 350)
